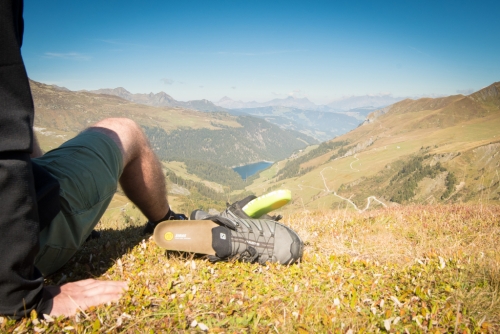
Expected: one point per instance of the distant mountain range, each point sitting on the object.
(373, 101)
(290, 101)
(318, 121)
(322, 122)
(160, 99)
(322, 125)
(344, 104)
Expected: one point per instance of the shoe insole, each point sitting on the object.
(193, 236)
(267, 203)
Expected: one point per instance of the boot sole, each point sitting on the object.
(194, 236)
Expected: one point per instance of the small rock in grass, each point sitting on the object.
(194, 323)
(442, 263)
(48, 318)
(396, 301)
(203, 327)
(387, 324)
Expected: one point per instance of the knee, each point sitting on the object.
(126, 133)
(119, 125)
(124, 128)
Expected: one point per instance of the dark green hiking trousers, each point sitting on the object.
(88, 168)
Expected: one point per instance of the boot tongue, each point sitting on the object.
(221, 241)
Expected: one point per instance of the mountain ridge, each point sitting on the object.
(309, 121)
(160, 99)
(445, 150)
(353, 102)
(322, 125)
(342, 104)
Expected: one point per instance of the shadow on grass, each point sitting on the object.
(96, 256)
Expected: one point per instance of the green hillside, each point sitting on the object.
(176, 133)
(441, 150)
(254, 140)
(61, 114)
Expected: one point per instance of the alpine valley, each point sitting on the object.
(322, 122)
(428, 150)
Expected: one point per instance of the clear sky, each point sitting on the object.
(260, 50)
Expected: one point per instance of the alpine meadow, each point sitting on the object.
(399, 217)
(381, 118)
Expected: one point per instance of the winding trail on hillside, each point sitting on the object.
(301, 187)
(369, 199)
(350, 165)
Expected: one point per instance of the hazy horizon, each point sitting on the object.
(255, 50)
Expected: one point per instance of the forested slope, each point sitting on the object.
(255, 140)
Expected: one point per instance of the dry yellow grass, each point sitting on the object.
(405, 269)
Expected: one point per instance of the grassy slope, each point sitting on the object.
(408, 269)
(60, 115)
(121, 206)
(451, 125)
(73, 111)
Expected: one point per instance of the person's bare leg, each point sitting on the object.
(143, 182)
(142, 179)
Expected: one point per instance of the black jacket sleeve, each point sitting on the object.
(21, 284)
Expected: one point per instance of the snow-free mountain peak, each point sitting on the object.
(160, 99)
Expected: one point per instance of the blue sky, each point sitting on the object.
(260, 50)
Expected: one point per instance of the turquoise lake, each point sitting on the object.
(250, 169)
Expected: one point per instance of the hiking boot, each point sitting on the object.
(150, 226)
(225, 238)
